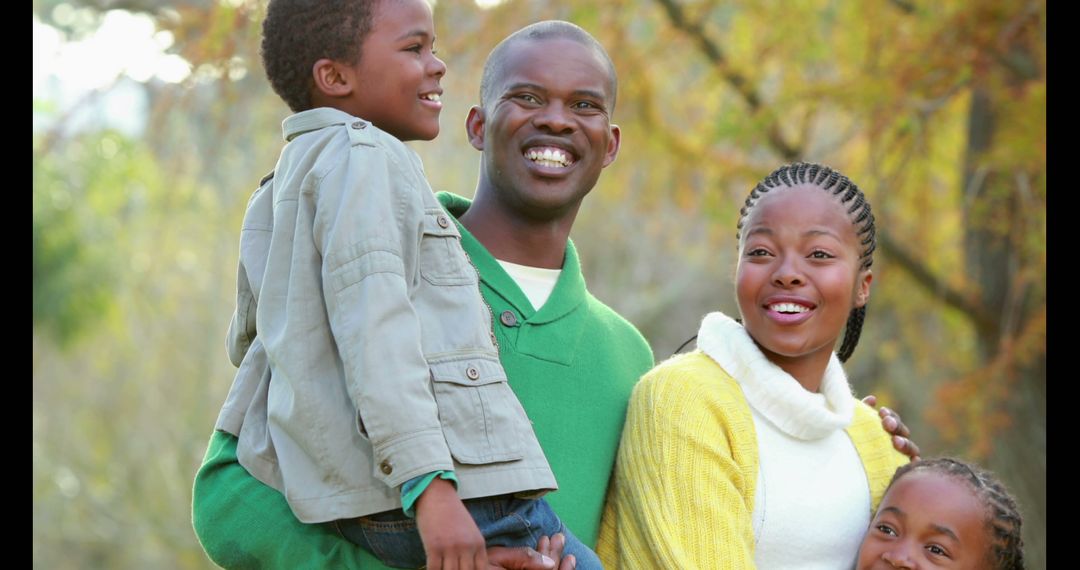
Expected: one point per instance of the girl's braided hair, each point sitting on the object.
(846, 192)
(1003, 518)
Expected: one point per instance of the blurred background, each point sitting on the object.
(153, 122)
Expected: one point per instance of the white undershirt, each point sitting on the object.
(536, 282)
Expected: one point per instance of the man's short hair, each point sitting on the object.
(546, 30)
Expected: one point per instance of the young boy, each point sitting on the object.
(386, 391)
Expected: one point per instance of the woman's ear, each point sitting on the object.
(862, 291)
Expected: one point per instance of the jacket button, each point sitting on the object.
(386, 467)
(472, 373)
(508, 318)
(443, 221)
(359, 125)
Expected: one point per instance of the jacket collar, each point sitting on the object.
(772, 392)
(313, 120)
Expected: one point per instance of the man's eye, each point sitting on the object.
(528, 98)
(585, 105)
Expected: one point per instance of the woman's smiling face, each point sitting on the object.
(798, 275)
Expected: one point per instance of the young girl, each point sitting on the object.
(752, 450)
(944, 512)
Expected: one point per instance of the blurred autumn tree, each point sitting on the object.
(937, 110)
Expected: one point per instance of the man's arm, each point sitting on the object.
(242, 523)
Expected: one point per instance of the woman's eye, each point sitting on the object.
(757, 252)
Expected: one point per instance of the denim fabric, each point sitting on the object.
(504, 521)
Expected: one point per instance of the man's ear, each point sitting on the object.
(474, 126)
(332, 78)
(613, 145)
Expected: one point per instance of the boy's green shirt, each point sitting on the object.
(572, 365)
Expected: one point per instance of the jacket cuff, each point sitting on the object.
(411, 456)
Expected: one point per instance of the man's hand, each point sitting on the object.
(890, 420)
(451, 539)
(546, 557)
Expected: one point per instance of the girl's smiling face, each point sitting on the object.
(798, 275)
(927, 520)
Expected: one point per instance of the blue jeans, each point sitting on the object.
(503, 520)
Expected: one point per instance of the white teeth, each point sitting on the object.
(549, 157)
(432, 96)
(788, 308)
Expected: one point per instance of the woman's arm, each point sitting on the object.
(682, 495)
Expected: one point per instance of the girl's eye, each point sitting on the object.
(818, 254)
(757, 252)
(886, 529)
(937, 550)
(414, 48)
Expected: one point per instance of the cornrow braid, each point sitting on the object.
(1003, 521)
(846, 192)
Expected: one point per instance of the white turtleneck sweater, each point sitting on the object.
(812, 503)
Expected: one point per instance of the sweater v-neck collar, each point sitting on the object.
(775, 394)
(547, 343)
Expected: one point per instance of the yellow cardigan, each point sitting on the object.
(683, 492)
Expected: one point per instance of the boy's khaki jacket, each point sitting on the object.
(366, 353)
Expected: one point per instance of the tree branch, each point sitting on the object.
(738, 81)
(965, 303)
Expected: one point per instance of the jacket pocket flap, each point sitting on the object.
(469, 372)
(440, 224)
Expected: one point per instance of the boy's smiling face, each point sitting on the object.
(547, 133)
(395, 82)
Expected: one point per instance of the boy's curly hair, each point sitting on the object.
(297, 33)
(1003, 518)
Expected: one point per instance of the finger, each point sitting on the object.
(870, 400)
(890, 425)
(885, 412)
(568, 563)
(558, 542)
(480, 559)
(434, 562)
(520, 558)
(906, 446)
(544, 546)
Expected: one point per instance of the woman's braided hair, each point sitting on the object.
(1003, 520)
(846, 192)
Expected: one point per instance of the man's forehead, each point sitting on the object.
(542, 61)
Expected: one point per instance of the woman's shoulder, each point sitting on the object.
(692, 376)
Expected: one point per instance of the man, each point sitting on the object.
(544, 130)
